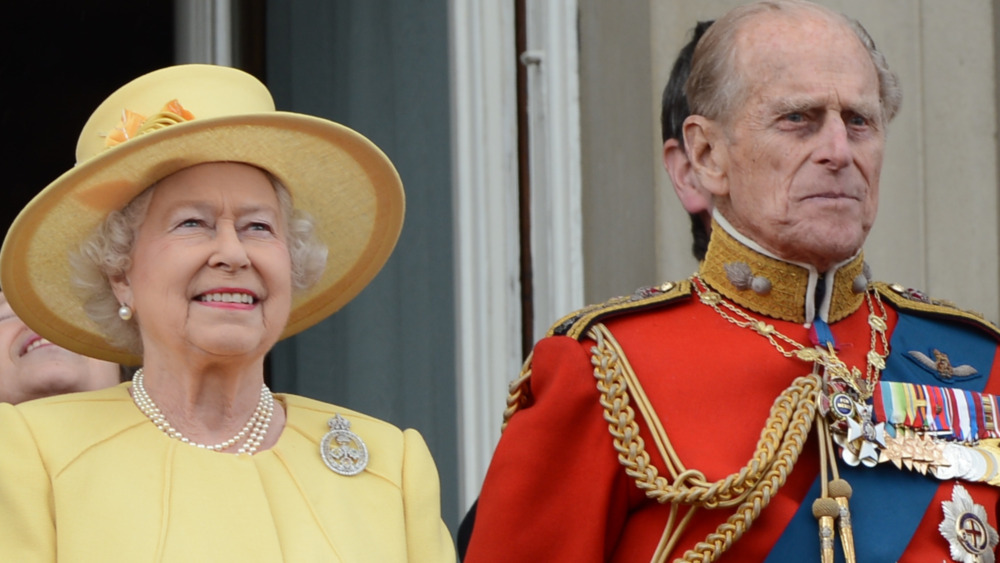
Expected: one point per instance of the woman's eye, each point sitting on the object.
(190, 223)
(259, 226)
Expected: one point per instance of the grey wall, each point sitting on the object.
(381, 67)
(619, 202)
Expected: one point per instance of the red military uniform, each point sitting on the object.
(666, 375)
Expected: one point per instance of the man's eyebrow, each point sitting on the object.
(866, 109)
(786, 106)
(792, 105)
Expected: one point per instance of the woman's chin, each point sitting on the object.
(231, 349)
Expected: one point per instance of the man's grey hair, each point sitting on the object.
(717, 88)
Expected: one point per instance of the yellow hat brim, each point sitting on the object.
(335, 174)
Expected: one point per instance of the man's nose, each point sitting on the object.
(834, 150)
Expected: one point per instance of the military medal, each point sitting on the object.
(939, 431)
(965, 526)
(945, 432)
(850, 419)
(343, 451)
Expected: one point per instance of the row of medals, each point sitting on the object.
(868, 443)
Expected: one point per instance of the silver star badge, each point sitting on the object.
(965, 526)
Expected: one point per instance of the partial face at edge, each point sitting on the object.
(32, 367)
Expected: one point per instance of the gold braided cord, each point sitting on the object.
(631, 381)
(690, 486)
(752, 488)
(518, 392)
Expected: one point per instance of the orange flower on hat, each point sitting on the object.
(126, 128)
(174, 107)
(133, 124)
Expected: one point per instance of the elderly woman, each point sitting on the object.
(189, 258)
(32, 367)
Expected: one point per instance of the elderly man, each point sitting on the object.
(695, 199)
(779, 405)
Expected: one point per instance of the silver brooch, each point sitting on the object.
(343, 451)
(969, 534)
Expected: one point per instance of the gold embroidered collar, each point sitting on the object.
(779, 289)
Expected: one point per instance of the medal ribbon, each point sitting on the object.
(958, 414)
(911, 495)
(990, 415)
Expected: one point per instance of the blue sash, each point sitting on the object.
(888, 504)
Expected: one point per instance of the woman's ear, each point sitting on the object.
(708, 153)
(693, 197)
(122, 288)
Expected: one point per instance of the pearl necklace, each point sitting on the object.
(254, 430)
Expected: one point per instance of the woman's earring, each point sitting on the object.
(125, 312)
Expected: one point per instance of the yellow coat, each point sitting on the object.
(86, 477)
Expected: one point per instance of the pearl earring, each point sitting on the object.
(125, 312)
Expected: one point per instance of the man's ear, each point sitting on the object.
(708, 153)
(694, 199)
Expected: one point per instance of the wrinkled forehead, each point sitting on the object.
(770, 43)
(792, 28)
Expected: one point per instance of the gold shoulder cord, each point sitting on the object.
(575, 324)
(518, 393)
(750, 489)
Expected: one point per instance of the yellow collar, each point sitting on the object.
(779, 289)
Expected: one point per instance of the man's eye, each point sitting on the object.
(795, 117)
(857, 121)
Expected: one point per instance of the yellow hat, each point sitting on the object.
(177, 117)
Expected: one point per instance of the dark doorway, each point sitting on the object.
(59, 61)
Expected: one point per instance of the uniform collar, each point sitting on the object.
(755, 279)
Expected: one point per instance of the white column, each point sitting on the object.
(203, 31)
(485, 184)
(554, 155)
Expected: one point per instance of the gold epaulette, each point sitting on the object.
(575, 325)
(917, 302)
